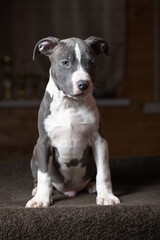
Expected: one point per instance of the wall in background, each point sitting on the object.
(129, 130)
(24, 23)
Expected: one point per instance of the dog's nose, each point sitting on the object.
(83, 85)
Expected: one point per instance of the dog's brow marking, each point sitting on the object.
(78, 52)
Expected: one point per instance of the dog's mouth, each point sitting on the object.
(77, 93)
(84, 89)
(80, 95)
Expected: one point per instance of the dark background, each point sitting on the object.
(127, 73)
(24, 23)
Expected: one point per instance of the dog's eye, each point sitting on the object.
(92, 63)
(65, 63)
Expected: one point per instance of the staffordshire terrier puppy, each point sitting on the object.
(70, 149)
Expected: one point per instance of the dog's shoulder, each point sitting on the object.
(44, 110)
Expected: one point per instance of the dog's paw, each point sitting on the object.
(36, 202)
(91, 187)
(109, 199)
(34, 191)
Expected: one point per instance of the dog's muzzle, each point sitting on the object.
(83, 85)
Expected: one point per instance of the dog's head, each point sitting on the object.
(72, 62)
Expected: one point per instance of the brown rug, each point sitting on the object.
(136, 181)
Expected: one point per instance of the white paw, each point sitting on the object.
(37, 202)
(109, 199)
(91, 187)
(34, 191)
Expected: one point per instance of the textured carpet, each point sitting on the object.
(136, 181)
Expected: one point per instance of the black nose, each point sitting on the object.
(83, 85)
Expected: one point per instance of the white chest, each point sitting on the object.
(70, 129)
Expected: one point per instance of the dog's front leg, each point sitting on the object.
(103, 179)
(42, 197)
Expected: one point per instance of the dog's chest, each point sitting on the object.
(70, 130)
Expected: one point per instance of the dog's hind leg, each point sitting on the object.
(41, 174)
(91, 187)
(34, 169)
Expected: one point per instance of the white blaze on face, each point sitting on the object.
(78, 53)
(80, 73)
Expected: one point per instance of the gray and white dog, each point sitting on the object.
(70, 149)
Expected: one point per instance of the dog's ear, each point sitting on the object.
(45, 46)
(99, 45)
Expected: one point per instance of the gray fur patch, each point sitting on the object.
(41, 150)
(87, 161)
(73, 163)
(56, 175)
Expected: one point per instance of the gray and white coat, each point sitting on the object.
(70, 150)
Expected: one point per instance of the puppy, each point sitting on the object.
(70, 149)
